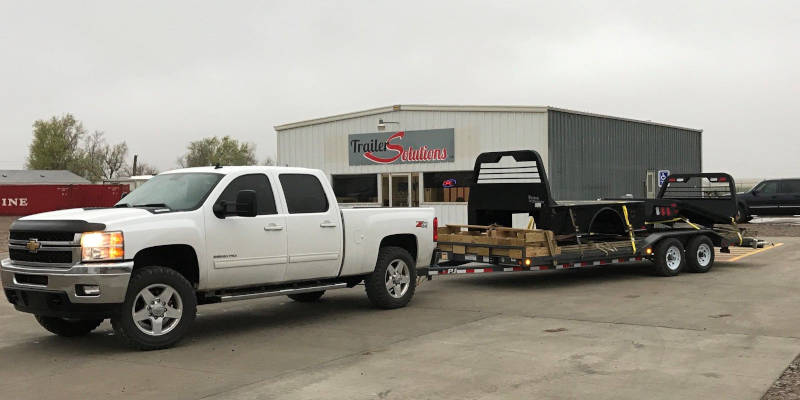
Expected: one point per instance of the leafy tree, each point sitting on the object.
(62, 143)
(55, 144)
(213, 150)
(269, 161)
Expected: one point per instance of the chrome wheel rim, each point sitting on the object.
(157, 309)
(673, 258)
(703, 255)
(398, 278)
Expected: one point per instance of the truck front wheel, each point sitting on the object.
(160, 306)
(68, 327)
(392, 283)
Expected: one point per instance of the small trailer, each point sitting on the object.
(677, 231)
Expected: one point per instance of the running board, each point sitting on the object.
(282, 292)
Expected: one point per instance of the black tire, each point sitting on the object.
(123, 321)
(664, 257)
(376, 282)
(309, 297)
(68, 327)
(743, 214)
(699, 254)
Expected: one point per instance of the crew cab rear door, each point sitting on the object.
(314, 227)
(790, 196)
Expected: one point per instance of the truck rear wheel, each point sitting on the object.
(309, 297)
(68, 327)
(392, 283)
(700, 254)
(159, 308)
(669, 257)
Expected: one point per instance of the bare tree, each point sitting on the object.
(114, 159)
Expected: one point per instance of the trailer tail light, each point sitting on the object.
(668, 211)
(648, 251)
(435, 229)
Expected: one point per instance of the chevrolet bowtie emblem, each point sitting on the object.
(33, 245)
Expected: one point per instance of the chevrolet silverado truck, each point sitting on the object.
(205, 235)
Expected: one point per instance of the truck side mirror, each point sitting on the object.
(754, 192)
(246, 203)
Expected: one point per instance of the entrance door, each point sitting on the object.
(650, 184)
(399, 190)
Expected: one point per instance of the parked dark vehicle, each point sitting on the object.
(770, 197)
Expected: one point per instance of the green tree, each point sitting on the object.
(213, 150)
(62, 143)
(56, 144)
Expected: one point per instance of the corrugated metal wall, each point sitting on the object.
(594, 156)
(324, 146)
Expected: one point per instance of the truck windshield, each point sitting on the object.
(178, 192)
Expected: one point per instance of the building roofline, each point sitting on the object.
(458, 108)
(588, 114)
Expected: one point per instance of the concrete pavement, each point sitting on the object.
(616, 332)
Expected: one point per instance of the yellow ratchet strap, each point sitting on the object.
(630, 228)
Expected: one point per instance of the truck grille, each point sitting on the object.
(49, 257)
(44, 249)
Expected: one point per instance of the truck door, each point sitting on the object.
(765, 199)
(790, 197)
(247, 250)
(314, 228)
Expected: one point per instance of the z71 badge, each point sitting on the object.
(422, 224)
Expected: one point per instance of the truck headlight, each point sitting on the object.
(102, 246)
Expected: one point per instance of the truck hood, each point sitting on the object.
(111, 217)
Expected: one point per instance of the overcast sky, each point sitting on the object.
(160, 74)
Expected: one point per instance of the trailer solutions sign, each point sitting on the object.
(404, 147)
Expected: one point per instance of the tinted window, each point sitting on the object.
(768, 187)
(304, 193)
(356, 188)
(257, 182)
(792, 186)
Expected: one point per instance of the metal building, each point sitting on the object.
(412, 155)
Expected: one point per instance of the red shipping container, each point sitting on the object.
(21, 200)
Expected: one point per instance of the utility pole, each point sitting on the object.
(135, 158)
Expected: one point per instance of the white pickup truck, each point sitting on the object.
(204, 235)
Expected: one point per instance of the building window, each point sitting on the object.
(447, 187)
(355, 188)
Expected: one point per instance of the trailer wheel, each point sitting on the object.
(392, 283)
(700, 254)
(669, 257)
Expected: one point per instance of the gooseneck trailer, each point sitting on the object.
(677, 231)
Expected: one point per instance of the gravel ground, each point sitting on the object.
(787, 387)
(5, 222)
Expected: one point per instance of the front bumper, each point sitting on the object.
(111, 278)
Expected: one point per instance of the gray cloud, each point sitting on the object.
(161, 74)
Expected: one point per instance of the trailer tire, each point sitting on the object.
(669, 257)
(68, 327)
(392, 283)
(309, 297)
(700, 254)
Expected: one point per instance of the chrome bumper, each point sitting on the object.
(112, 278)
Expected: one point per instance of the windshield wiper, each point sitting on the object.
(121, 205)
(162, 205)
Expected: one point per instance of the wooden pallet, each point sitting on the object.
(497, 241)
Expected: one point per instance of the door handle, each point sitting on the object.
(327, 224)
(273, 227)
